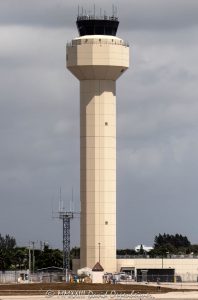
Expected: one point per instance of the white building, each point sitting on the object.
(185, 269)
(143, 247)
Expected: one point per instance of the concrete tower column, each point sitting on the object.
(97, 61)
(98, 172)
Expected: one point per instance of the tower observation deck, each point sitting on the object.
(97, 58)
(91, 25)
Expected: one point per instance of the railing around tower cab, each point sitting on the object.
(97, 41)
(93, 17)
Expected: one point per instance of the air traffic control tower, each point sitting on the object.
(97, 58)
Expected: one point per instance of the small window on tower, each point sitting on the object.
(106, 222)
(106, 123)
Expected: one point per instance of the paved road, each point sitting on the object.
(168, 296)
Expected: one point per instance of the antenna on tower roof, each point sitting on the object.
(61, 208)
(60, 199)
(116, 11)
(72, 201)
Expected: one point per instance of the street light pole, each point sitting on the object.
(33, 257)
(29, 260)
(99, 251)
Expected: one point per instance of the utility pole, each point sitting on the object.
(33, 257)
(29, 260)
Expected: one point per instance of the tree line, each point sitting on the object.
(13, 257)
(165, 245)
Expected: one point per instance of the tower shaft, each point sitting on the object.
(98, 172)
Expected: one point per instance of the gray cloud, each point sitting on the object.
(135, 14)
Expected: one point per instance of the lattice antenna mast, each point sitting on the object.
(66, 217)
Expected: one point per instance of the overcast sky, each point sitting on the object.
(157, 119)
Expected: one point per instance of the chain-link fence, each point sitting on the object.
(9, 276)
(23, 277)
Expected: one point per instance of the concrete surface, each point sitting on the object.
(168, 296)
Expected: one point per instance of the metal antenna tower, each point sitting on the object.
(66, 217)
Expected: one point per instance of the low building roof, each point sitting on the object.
(97, 268)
